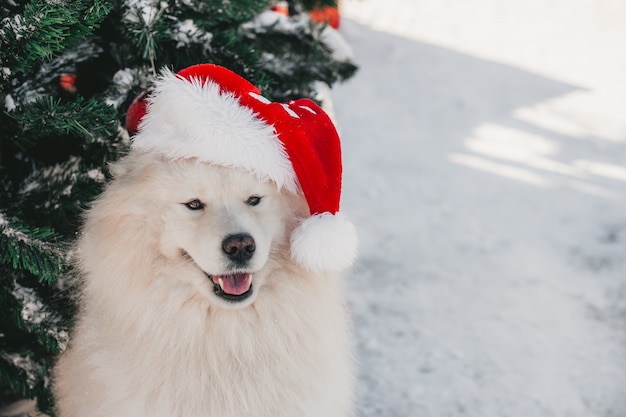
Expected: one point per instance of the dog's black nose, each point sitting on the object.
(239, 247)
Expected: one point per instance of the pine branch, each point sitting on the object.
(45, 81)
(31, 249)
(44, 29)
(62, 191)
(311, 4)
(27, 375)
(49, 117)
(33, 314)
(144, 21)
(232, 13)
(17, 373)
(294, 56)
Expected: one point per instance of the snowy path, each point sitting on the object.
(485, 166)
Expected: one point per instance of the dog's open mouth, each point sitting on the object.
(233, 287)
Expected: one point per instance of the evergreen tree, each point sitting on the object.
(69, 70)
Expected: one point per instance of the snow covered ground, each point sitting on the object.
(485, 167)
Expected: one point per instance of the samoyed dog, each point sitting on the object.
(191, 303)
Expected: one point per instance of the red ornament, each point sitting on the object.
(68, 83)
(281, 7)
(326, 14)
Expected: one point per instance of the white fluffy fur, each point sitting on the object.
(193, 120)
(152, 339)
(324, 242)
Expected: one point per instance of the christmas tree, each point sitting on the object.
(69, 70)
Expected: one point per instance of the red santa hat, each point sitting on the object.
(209, 113)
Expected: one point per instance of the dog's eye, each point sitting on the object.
(253, 200)
(194, 204)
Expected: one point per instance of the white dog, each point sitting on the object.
(193, 304)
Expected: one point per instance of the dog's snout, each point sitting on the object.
(239, 247)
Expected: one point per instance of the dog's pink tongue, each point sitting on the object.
(234, 284)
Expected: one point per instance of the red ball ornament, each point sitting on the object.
(68, 83)
(281, 7)
(326, 14)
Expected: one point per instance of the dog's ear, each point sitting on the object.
(131, 165)
(116, 169)
(125, 166)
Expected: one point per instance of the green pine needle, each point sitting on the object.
(31, 249)
(48, 117)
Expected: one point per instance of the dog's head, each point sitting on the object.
(227, 224)
(217, 230)
(235, 178)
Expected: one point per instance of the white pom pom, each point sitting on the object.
(324, 242)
